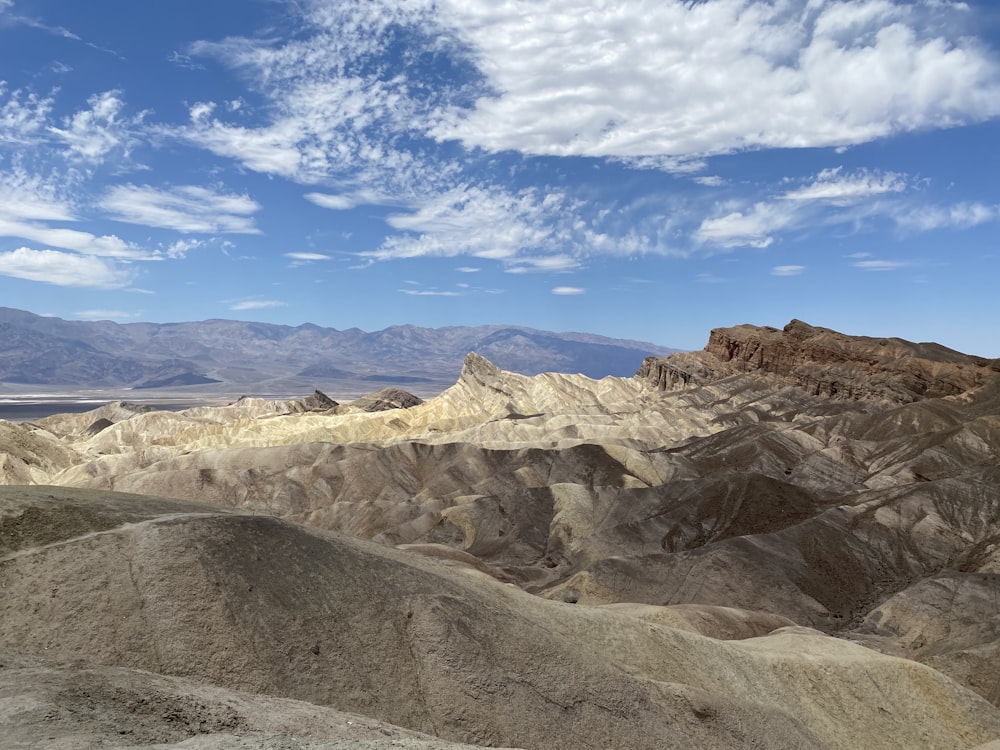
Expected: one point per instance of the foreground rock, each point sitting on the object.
(257, 604)
(79, 706)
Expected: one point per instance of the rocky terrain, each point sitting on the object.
(788, 539)
(217, 355)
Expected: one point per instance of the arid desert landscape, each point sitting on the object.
(789, 539)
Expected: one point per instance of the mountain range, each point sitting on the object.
(274, 358)
(789, 539)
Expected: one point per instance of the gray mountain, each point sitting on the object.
(51, 351)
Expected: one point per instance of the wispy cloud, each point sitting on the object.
(256, 304)
(835, 186)
(307, 256)
(787, 270)
(93, 133)
(305, 259)
(467, 269)
(64, 269)
(881, 265)
(828, 199)
(28, 197)
(566, 291)
(23, 115)
(188, 208)
(429, 293)
(105, 315)
(957, 216)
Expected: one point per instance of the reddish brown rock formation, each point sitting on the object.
(826, 362)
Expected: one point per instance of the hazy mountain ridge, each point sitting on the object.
(37, 349)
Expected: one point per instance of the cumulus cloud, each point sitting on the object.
(675, 78)
(63, 269)
(189, 208)
(564, 291)
(658, 84)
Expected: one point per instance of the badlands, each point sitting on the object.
(790, 539)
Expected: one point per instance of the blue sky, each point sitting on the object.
(647, 169)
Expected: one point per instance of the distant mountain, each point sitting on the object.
(51, 351)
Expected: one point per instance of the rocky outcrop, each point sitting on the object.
(387, 399)
(826, 363)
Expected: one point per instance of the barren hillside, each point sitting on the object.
(731, 549)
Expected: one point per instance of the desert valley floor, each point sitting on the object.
(790, 539)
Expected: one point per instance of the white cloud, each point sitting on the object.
(681, 79)
(256, 304)
(467, 269)
(881, 265)
(753, 228)
(305, 259)
(334, 202)
(710, 181)
(428, 293)
(830, 198)
(28, 197)
(22, 116)
(834, 186)
(181, 248)
(307, 256)
(957, 216)
(188, 208)
(564, 291)
(91, 134)
(63, 269)
(104, 315)
(787, 270)
(544, 264)
(344, 201)
(86, 243)
(477, 222)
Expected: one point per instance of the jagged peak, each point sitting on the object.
(477, 367)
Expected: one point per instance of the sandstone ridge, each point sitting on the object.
(826, 363)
